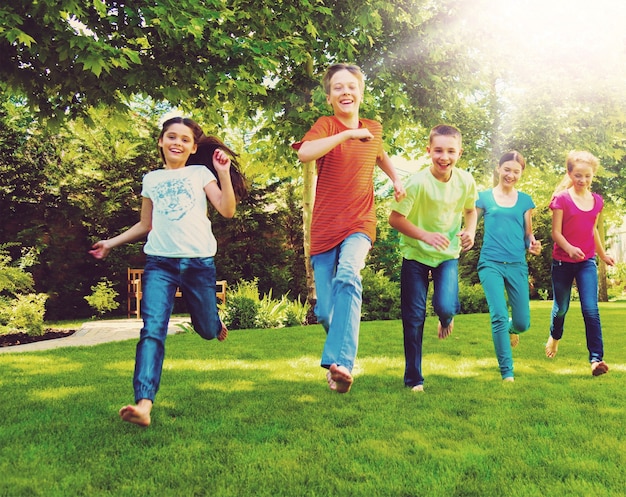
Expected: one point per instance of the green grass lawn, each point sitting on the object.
(253, 417)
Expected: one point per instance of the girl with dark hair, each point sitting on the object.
(180, 247)
(502, 263)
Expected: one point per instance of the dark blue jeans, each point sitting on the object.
(162, 275)
(586, 275)
(414, 290)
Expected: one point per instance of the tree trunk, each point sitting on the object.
(308, 198)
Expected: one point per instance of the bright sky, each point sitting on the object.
(540, 34)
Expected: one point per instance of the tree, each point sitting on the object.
(256, 66)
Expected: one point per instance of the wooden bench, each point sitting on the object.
(135, 294)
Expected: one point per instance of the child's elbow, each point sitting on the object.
(304, 154)
(229, 213)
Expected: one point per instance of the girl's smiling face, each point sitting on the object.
(177, 144)
(509, 173)
(582, 176)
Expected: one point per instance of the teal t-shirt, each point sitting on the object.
(437, 207)
(505, 234)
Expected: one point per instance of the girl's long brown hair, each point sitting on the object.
(204, 154)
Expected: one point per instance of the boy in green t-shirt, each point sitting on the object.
(429, 220)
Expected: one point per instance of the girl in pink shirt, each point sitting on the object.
(575, 212)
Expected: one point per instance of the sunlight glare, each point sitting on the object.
(546, 34)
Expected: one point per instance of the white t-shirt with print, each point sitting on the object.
(180, 223)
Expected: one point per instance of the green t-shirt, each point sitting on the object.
(437, 207)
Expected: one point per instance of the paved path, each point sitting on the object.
(93, 333)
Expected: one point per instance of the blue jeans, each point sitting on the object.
(339, 297)
(413, 292)
(496, 278)
(586, 275)
(162, 275)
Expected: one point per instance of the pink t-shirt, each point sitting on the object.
(577, 227)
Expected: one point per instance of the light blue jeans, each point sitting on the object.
(496, 278)
(586, 275)
(413, 293)
(161, 277)
(339, 297)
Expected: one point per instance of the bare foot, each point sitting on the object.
(598, 368)
(331, 383)
(138, 414)
(342, 378)
(514, 337)
(445, 331)
(417, 388)
(223, 333)
(551, 347)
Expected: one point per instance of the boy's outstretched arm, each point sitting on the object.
(314, 149)
(406, 227)
(101, 249)
(388, 168)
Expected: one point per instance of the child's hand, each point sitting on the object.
(576, 254)
(437, 240)
(467, 240)
(362, 134)
(100, 250)
(221, 160)
(398, 190)
(535, 247)
(608, 260)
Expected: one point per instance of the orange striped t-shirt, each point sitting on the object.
(344, 195)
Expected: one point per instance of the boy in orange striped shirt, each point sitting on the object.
(346, 150)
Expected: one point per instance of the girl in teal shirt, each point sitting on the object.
(502, 264)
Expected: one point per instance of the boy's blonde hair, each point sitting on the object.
(335, 68)
(445, 130)
(573, 158)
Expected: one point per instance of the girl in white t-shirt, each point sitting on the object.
(181, 247)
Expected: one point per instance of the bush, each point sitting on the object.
(472, 298)
(102, 300)
(381, 297)
(24, 314)
(244, 309)
(241, 312)
(296, 313)
(21, 311)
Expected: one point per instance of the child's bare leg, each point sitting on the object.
(138, 414)
(552, 347)
(342, 378)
